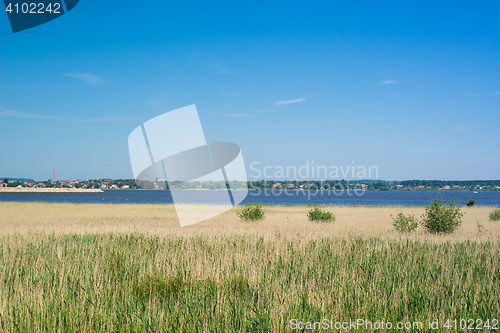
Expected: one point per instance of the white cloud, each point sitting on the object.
(461, 128)
(388, 82)
(88, 78)
(290, 101)
(11, 113)
(497, 93)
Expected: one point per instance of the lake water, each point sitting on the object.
(379, 198)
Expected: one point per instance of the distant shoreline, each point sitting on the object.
(48, 190)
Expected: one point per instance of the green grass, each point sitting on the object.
(122, 283)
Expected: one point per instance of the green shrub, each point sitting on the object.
(251, 212)
(441, 217)
(495, 215)
(471, 203)
(316, 214)
(403, 223)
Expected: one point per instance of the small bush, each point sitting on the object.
(316, 214)
(441, 217)
(471, 203)
(495, 215)
(403, 223)
(252, 213)
(480, 227)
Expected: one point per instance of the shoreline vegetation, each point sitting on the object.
(131, 267)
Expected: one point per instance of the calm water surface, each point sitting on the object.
(379, 198)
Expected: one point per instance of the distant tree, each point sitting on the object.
(5, 180)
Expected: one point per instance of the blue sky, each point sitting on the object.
(412, 88)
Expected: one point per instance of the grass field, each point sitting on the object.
(84, 267)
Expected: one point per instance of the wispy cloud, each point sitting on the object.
(88, 78)
(264, 110)
(229, 93)
(291, 101)
(413, 122)
(160, 102)
(338, 121)
(112, 119)
(388, 82)
(216, 67)
(235, 115)
(497, 93)
(19, 114)
(461, 128)
(471, 95)
(12, 113)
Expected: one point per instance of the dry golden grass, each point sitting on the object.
(290, 222)
(132, 268)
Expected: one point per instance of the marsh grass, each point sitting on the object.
(137, 282)
(100, 268)
(290, 222)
